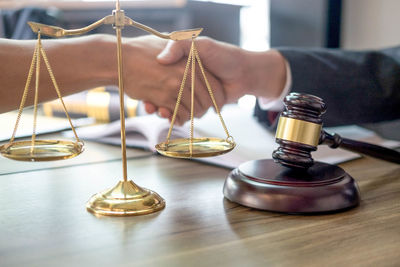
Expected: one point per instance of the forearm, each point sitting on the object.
(78, 64)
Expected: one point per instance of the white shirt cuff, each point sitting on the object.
(276, 104)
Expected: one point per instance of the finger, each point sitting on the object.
(164, 113)
(181, 116)
(149, 107)
(173, 52)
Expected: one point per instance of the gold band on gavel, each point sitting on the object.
(298, 131)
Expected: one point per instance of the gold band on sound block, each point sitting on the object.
(298, 131)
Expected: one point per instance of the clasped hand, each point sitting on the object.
(222, 71)
(231, 71)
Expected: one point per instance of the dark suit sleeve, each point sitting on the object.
(269, 119)
(358, 87)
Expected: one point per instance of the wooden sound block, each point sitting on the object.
(266, 185)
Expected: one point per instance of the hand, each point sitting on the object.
(147, 79)
(239, 71)
(219, 59)
(156, 83)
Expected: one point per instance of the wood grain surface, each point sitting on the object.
(43, 221)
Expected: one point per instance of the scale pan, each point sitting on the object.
(201, 147)
(43, 150)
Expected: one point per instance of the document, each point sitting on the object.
(44, 124)
(253, 141)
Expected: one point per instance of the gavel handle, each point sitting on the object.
(380, 152)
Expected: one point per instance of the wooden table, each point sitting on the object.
(43, 221)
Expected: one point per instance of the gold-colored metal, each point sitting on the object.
(195, 147)
(192, 100)
(26, 90)
(54, 31)
(53, 79)
(201, 147)
(41, 150)
(175, 35)
(178, 101)
(121, 102)
(125, 199)
(229, 137)
(119, 18)
(36, 97)
(299, 131)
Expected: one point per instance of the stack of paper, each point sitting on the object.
(253, 141)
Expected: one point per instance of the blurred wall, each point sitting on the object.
(370, 24)
(297, 23)
(305, 23)
(364, 24)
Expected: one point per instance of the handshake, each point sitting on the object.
(231, 72)
(153, 70)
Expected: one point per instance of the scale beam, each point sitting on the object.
(175, 35)
(115, 19)
(54, 31)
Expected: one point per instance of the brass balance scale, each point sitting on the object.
(126, 198)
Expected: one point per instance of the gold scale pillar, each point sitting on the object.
(126, 198)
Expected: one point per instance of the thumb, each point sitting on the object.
(173, 52)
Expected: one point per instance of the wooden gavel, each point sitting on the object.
(292, 182)
(299, 132)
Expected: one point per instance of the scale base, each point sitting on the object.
(266, 185)
(125, 199)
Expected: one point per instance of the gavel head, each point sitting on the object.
(299, 130)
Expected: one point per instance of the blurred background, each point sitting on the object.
(252, 24)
